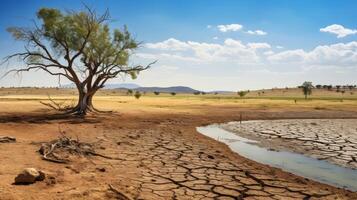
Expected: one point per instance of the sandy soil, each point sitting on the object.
(334, 140)
(157, 154)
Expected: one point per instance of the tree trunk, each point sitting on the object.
(85, 103)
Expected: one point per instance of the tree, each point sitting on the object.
(137, 95)
(77, 46)
(307, 88)
(173, 93)
(129, 92)
(242, 93)
(156, 93)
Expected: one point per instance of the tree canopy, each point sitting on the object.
(307, 88)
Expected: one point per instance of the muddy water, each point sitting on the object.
(299, 164)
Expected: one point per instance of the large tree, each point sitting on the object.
(80, 47)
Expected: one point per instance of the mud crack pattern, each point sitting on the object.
(334, 140)
(174, 167)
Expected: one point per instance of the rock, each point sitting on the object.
(101, 169)
(29, 176)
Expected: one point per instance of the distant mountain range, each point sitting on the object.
(133, 86)
(177, 89)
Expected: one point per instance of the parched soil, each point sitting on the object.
(334, 140)
(154, 155)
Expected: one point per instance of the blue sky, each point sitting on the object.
(219, 45)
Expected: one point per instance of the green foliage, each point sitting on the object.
(157, 93)
(137, 95)
(307, 88)
(242, 93)
(66, 34)
(129, 92)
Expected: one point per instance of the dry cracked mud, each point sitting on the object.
(333, 140)
(175, 168)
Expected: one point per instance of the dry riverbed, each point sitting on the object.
(334, 140)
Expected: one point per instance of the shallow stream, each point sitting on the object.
(318, 170)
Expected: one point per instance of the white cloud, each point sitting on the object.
(236, 53)
(215, 38)
(279, 47)
(257, 32)
(229, 27)
(288, 56)
(209, 26)
(268, 53)
(170, 44)
(259, 45)
(338, 55)
(338, 30)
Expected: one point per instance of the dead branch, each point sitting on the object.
(59, 106)
(60, 149)
(7, 139)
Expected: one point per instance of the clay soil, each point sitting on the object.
(155, 149)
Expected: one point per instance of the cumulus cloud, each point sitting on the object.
(279, 47)
(215, 38)
(257, 32)
(268, 53)
(259, 45)
(338, 55)
(235, 52)
(230, 50)
(338, 30)
(229, 27)
(169, 44)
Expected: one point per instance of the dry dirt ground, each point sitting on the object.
(156, 152)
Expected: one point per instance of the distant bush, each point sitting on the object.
(129, 92)
(197, 93)
(137, 95)
(242, 93)
(203, 93)
(157, 93)
(173, 93)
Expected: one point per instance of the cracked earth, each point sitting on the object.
(333, 140)
(157, 156)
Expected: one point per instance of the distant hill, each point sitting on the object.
(109, 86)
(177, 89)
(122, 85)
(133, 86)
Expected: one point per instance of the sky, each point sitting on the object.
(216, 44)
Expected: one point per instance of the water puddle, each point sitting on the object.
(299, 164)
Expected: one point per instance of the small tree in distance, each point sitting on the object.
(137, 95)
(156, 93)
(242, 93)
(129, 92)
(173, 93)
(307, 88)
(77, 46)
